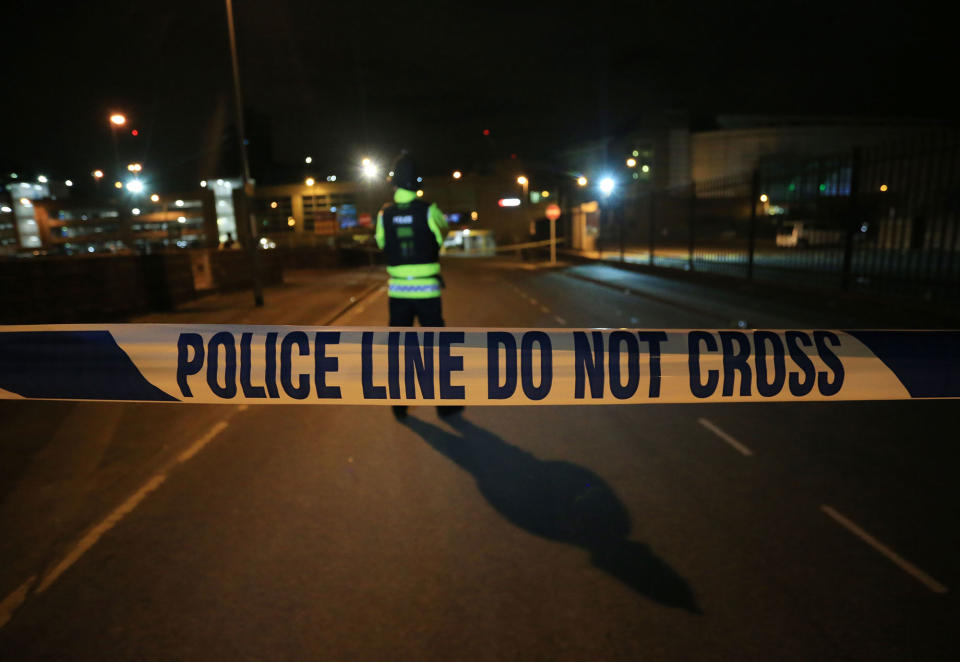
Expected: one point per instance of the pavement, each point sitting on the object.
(787, 531)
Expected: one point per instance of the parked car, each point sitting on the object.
(802, 234)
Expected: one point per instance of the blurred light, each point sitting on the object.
(181, 219)
(645, 168)
(291, 221)
(486, 132)
(390, 174)
(310, 181)
(309, 159)
(117, 119)
(13, 175)
(419, 179)
(522, 181)
(273, 205)
(179, 203)
(466, 232)
(457, 174)
(636, 153)
(155, 198)
(134, 133)
(203, 183)
(763, 197)
(135, 186)
(69, 182)
(607, 185)
(365, 162)
(219, 182)
(509, 202)
(26, 202)
(42, 179)
(135, 211)
(474, 216)
(544, 194)
(636, 175)
(333, 208)
(90, 249)
(369, 169)
(134, 167)
(582, 181)
(331, 178)
(419, 193)
(883, 187)
(863, 228)
(118, 185)
(631, 163)
(98, 174)
(5, 209)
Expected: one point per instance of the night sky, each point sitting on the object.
(339, 80)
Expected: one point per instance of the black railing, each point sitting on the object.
(880, 220)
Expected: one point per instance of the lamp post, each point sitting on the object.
(246, 219)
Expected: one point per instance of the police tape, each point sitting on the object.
(378, 366)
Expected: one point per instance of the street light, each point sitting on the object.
(134, 167)
(98, 174)
(118, 119)
(154, 198)
(368, 168)
(631, 163)
(135, 186)
(457, 174)
(607, 185)
(308, 160)
(582, 181)
(310, 181)
(524, 182)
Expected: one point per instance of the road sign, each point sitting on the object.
(553, 213)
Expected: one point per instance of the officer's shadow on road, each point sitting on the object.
(559, 501)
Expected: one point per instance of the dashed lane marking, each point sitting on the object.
(726, 437)
(891, 555)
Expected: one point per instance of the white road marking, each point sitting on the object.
(92, 536)
(726, 437)
(13, 601)
(904, 565)
(560, 320)
(202, 441)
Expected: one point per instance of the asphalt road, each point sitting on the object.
(668, 532)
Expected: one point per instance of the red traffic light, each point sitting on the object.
(486, 132)
(134, 133)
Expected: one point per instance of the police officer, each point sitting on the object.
(410, 232)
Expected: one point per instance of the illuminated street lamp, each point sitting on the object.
(118, 185)
(607, 185)
(764, 198)
(310, 181)
(118, 119)
(154, 198)
(524, 182)
(42, 179)
(368, 168)
(308, 160)
(135, 186)
(134, 167)
(97, 174)
(457, 174)
(582, 181)
(631, 163)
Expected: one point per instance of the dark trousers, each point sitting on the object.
(428, 312)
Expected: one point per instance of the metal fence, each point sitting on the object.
(879, 220)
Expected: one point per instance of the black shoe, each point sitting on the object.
(399, 412)
(443, 411)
